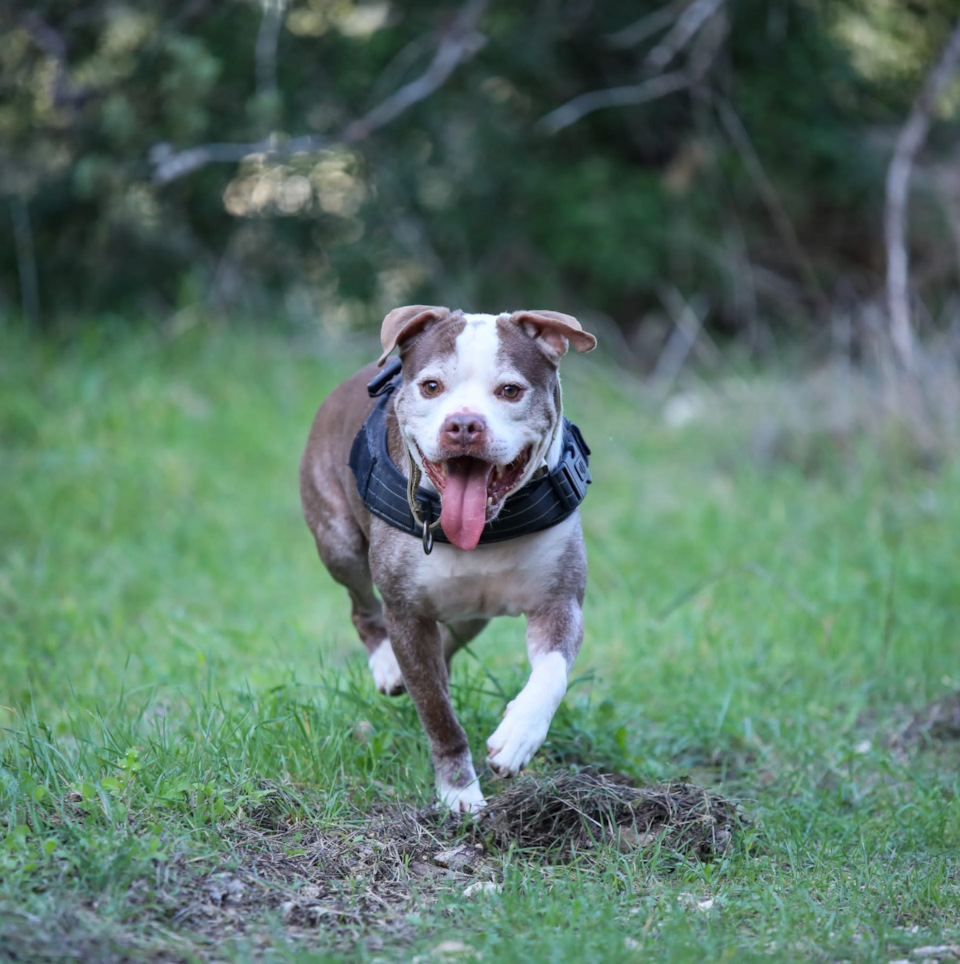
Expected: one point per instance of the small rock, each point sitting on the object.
(481, 887)
(445, 950)
(363, 731)
(629, 839)
(459, 858)
(696, 903)
(936, 951)
(451, 948)
(224, 887)
(682, 409)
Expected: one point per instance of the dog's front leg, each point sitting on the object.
(419, 650)
(554, 635)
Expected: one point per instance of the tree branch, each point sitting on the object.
(26, 261)
(265, 51)
(629, 96)
(458, 45)
(687, 25)
(911, 138)
(646, 26)
(778, 213)
(708, 12)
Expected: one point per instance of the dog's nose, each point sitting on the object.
(463, 430)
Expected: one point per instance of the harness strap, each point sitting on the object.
(541, 503)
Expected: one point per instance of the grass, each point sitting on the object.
(195, 766)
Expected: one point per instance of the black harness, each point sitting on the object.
(540, 504)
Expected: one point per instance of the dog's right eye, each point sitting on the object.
(430, 387)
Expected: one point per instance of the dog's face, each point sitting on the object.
(478, 409)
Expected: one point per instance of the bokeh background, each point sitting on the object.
(206, 208)
(716, 164)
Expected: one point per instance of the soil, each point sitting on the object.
(343, 884)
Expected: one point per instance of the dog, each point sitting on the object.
(451, 483)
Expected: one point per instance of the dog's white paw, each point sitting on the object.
(387, 676)
(516, 739)
(527, 718)
(466, 799)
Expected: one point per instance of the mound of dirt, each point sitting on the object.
(568, 813)
(939, 720)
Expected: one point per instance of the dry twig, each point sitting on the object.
(778, 213)
(458, 45)
(910, 140)
(687, 325)
(265, 51)
(709, 12)
(629, 96)
(683, 31)
(26, 260)
(646, 26)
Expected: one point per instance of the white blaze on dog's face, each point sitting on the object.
(478, 407)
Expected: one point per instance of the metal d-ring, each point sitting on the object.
(422, 511)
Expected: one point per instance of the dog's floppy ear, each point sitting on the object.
(554, 331)
(404, 322)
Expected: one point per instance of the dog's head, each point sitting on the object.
(479, 406)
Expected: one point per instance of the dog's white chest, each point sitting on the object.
(504, 579)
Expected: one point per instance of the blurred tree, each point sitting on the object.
(347, 156)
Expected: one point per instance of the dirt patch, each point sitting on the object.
(927, 737)
(344, 881)
(938, 721)
(288, 878)
(78, 934)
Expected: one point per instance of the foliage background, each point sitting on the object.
(773, 598)
(465, 198)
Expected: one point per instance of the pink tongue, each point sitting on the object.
(463, 508)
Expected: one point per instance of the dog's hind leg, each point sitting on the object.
(343, 550)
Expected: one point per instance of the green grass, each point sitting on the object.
(176, 668)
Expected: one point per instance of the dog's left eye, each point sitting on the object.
(511, 392)
(431, 387)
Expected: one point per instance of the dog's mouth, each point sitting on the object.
(472, 492)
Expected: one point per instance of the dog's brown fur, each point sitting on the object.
(423, 624)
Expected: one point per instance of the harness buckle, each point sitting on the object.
(573, 474)
(383, 382)
(578, 438)
(574, 479)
